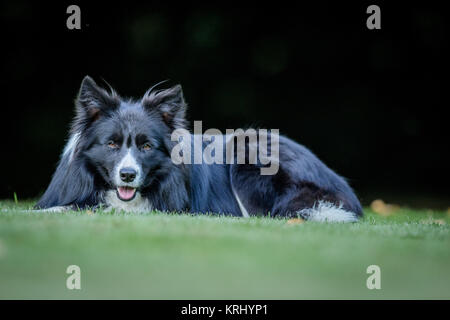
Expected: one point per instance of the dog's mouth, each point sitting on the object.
(126, 193)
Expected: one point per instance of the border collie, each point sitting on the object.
(118, 156)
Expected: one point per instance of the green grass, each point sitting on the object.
(161, 256)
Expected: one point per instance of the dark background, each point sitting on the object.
(370, 103)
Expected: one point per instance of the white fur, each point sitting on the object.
(138, 204)
(55, 209)
(69, 149)
(328, 212)
(241, 206)
(128, 162)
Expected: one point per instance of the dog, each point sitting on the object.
(120, 156)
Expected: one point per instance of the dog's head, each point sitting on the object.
(126, 143)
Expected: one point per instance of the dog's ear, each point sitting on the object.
(169, 104)
(93, 101)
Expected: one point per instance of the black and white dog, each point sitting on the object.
(119, 155)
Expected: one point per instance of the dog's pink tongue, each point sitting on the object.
(126, 193)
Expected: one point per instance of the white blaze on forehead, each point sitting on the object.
(128, 161)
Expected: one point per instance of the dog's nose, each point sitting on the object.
(127, 174)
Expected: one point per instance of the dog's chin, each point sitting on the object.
(126, 193)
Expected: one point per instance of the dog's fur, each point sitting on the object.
(110, 134)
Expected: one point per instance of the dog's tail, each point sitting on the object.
(328, 212)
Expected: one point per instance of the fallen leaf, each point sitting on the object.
(382, 208)
(89, 212)
(295, 221)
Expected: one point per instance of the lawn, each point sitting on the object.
(169, 256)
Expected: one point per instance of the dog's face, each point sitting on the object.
(127, 143)
(128, 147)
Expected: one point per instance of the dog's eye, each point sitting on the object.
(112, 144)
(146, 146)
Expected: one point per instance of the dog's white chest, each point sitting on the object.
(138, 204)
